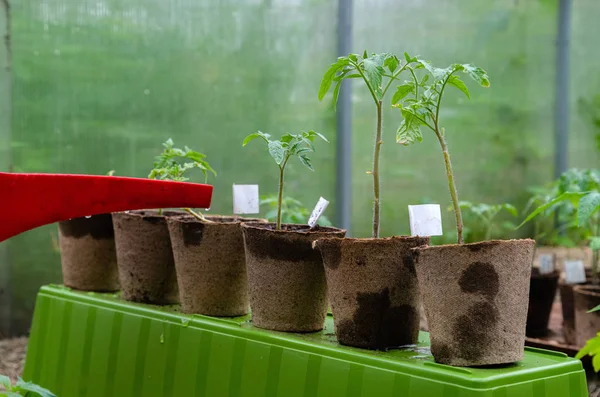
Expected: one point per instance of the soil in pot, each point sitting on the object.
(542, 291)
(475, 298)
(145, 257)
(587, 325)
(88, 257)
(286, 279)
(373, 290)
(210, 264)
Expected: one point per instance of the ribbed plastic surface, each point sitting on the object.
(89, 344)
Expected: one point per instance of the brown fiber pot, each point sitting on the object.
(587, 325)
(87, 253)
(567, 300)
(542, 291)
(475, 298)
(210, 264)
(145, 258)
(286, 279)
(373, 290)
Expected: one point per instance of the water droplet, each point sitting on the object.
(207, 209)
(185, 322)
(88, 216)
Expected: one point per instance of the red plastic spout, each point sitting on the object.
(28, 201)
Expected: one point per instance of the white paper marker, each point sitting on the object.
(318, 211)
(425, 220)
(245, 199)
(574, 272)
(546, 263)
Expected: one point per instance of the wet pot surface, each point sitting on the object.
(475, 298)
(587, 325)
(541, 298)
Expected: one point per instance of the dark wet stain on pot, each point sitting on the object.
(98, 227)
(409, 262)
(441, 351)
(192, 233)
(283, 247)
(475, 330)
(479, 246)
(360, 261)
(332, 253)
(153, 219)
(480, 278)
(376, 325)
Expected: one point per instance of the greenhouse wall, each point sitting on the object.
(99, 85)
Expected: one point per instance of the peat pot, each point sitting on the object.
(145, 257)
(373, 290)
(210, 264)
(87, 253)
(542, 291)
(475, 298)
(587, 325)
(286, 279)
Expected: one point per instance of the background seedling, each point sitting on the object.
(420, 105)
(22, 388)
(292, 210)
(297, 145)
(378, 72)
(172, 164)
(486, 215)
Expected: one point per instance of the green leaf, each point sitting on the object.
(588, 205)
(568, 196)
(330, 74)
(596, 362)
(258, 134)
(424, 80)
(511, 209)
(402, 91)
(477, 74)
(594, 309)
(391, 63)
(458, 83)
(31, 387)
(5, 381)
(306, 161)
(374, 74)
(277, 151)
(595, 243)
(319, 135)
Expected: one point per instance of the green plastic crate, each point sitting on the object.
(89, 344)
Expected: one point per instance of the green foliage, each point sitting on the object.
(22, 388)
(292, 210)
(423, 107)
(590, 108)
(486, 215)
(592, 348)
(173, 163)
(290, 145)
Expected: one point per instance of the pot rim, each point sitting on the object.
(216, 219)
(479, 244)
(586, 289)
(372, 240)
(264, 226)
(151, 213)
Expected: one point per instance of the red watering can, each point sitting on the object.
(32, 200)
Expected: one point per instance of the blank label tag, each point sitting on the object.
(245, 199)
(317, 212)
(425, 220)
(546, 263)
(574, 272)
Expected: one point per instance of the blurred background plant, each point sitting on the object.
(292, 210)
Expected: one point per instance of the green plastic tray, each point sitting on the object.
(89, 344)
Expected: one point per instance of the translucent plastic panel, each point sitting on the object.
(99, 85)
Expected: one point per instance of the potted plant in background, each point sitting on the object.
(581, 191)
(144, 252)
(87, 253)
(286, 281)
(475, 295)
(292, 210)
(372, 283)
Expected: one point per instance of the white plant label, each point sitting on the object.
(574, 272)
(425, 220)
(317, 212)
(546, 263)
(245, 199)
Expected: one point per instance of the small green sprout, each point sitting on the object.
(290, 145)
(486, 214)
(22, 388)
(420, 104)
(172, 165)
(292, 210)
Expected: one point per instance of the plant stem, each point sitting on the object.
(451, 185)
(375, 172)
(280, 196)
(160, 211)
(197, 215)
